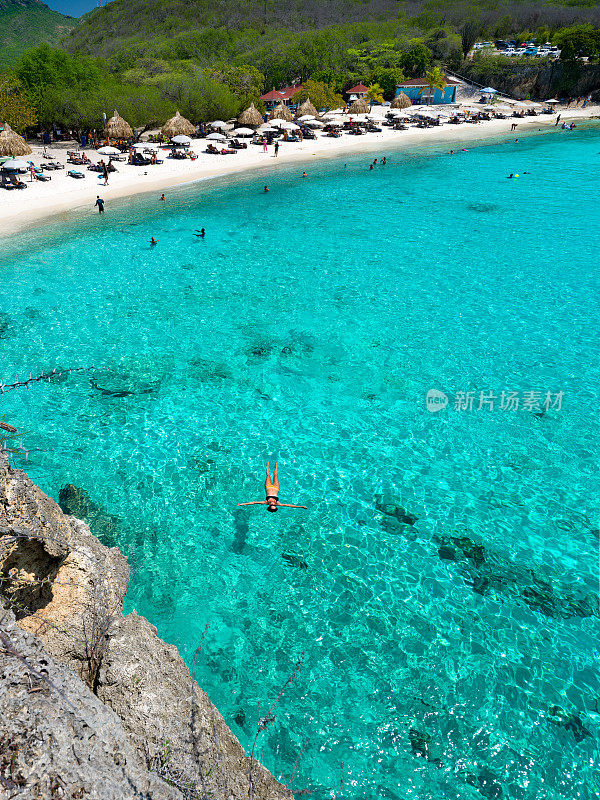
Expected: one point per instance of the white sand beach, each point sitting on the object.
(42, 201)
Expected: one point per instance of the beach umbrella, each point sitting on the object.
(109, 151)
(359, 107)
(554, 100)
(218, 123)
(243, 132)
(314, 123)
(182, 139)
(306, 108)
(118, 128)
(305, 117)
(282, 112)
(11, 144)
(401, 101)
(251, 116)
(15, 163)
(216, 137)
(489, 90)
(177, 126)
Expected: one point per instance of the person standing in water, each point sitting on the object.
(100, 203)
(272, 492)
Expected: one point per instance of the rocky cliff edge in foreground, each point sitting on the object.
(92, 703)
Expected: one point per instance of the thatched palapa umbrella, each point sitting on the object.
(178, 126)
(282, 112)
(11, 144)
(251, 116)
(117, 128)
(306, 108)
(401, 101)
(359, 107)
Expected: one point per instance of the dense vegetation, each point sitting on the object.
(211, 58)
(26, 23)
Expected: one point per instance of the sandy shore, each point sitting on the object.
(20, 209)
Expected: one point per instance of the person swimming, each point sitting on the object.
(266, 188)
(153, 241)
(272, 493)
(200, 234)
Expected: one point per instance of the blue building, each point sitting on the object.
(418, 92)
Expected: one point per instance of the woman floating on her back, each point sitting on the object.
(272, 491)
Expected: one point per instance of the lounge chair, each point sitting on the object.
(39, 176)
(72, 173)
(12, 182)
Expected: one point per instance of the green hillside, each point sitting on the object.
(105, 28)
(26, 23)
(205, 28)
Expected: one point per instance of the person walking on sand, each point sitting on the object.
(276, 149)
(272, 492)
(104, 172)
(265, 148)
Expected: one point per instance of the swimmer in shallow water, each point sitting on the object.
(272, 492)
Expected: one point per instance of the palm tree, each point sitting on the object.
(435, 80)
(374, 94)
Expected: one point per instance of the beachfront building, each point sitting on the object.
(358, 92)
(277, 96)
(417, 92)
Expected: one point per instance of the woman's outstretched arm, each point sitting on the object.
(253, 503)
(290, 505)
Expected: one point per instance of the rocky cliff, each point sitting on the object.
(538, 79)
(93, 704)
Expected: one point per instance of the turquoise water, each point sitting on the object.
(307, 328)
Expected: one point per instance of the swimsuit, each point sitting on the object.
(272, 497)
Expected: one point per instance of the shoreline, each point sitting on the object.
(45, 202)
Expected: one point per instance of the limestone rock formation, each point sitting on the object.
(65, 588)
(56, 738)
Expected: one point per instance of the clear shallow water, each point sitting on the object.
(308, 327)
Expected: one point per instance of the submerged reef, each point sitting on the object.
(487, 572)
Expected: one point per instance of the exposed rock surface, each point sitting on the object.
(67, 589)
(540, 80)
(57, 740)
